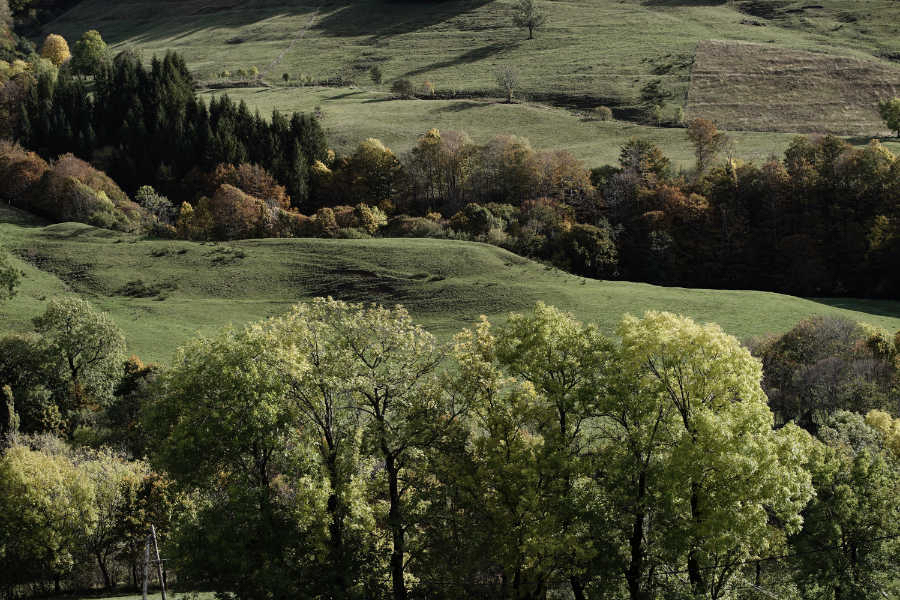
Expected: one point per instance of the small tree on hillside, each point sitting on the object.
(708, 142)
(890, 112)
(9, 278)
(527, 15)
(56, 49)
(376, 74)
(508, 80)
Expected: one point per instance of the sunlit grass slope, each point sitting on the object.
(600, 48)
(163, 292)
(352, 115)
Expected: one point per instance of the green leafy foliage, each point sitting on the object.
(10, 277)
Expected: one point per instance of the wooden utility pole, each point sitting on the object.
(146, 566)
(159, 565)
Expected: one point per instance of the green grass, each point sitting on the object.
(151, 594)
(599, 48)
(591, 52)
(351, 115)
(446, 285)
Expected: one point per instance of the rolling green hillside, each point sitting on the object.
(350, 116)
(591, 52)
(163, 292)
(599, 48)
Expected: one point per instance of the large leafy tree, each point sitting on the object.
(531, 382)
(88, 350)
(849, 544)
(391, 369)
(47, 510)
(319, 395)
(227, 432)
(693, 468)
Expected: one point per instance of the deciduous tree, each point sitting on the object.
(10, 277)
(890, 113)
(708, 142)
(90, 53)
(88, 349)
(508, 80)
(527, 14)
(56, 49)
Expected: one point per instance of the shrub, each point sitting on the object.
(19, 171)
(325, 223)
(376, 74)
(236, 215)
(420, 227)
(253, 180)
(403, 88)
(603, 113)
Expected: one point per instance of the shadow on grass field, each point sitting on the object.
(161, 293)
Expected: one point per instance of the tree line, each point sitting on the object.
(340, 451)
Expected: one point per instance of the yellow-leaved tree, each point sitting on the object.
(56, 49)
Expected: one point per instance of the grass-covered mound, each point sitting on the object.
(163, 292)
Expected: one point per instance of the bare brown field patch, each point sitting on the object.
(758, 87)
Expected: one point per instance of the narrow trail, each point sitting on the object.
(294, 41)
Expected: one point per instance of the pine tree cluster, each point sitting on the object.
(146, 126)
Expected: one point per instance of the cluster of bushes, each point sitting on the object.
(825, 365)
(68, 189)
(341, 451)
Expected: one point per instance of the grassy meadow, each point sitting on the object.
(598, 48)
(161, 293)
(351, 115)
(590, 52)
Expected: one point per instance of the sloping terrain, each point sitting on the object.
(766, 88)
(162, 292)
(590, 51)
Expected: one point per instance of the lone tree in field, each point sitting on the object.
(890, 112)
(508, 80)
(708, 142)
(56, 49)
(527, 14)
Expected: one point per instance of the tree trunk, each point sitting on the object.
(107, 583)
(694, 574)
(635, 574)
(577, 588)
(396, 523)
(336, 548)
(530, 32)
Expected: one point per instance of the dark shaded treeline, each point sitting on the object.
(145, 126)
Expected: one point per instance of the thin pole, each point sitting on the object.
(159, 568)
(145, 568)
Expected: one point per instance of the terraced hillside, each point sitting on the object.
(763, 88)
(163, 292)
